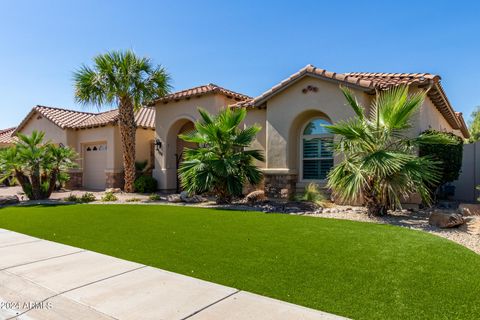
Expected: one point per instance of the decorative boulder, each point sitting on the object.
(184, 196)
(255, 196)
(9, 200)
(175, 198)
(445, 219)
(113, 190)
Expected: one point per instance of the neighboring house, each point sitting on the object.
(6, 137)
(291, 115)
(96, 138)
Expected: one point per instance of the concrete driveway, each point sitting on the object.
(42, 280)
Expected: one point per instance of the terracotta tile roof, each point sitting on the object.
(200, 91)
(463, 127)
(7, 137)
(64, 118)
(370, 82)
(387, 80)
(144, 118)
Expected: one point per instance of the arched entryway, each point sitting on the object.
(180, 147)
(175, 151)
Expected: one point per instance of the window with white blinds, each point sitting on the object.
(317, 154)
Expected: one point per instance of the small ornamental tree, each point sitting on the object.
(35, 164)
(449, 155)
(221, 164)
(474, 125)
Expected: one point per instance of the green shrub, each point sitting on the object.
(133, 200)
(71, 198)
(145, 184)
(450, 155)
(313, 194)
(88, 197)
(222, 164)
(154, 197)
(109, 196)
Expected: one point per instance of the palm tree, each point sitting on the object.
(379, 163)
(220, 164)
(123, 79)
(36, 165)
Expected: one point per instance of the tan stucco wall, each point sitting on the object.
(290, 110)
(430, 118)
(52, 131)
(258, 117)
(143, 141)
(169, 119)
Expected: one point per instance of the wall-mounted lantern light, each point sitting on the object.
(158, 145)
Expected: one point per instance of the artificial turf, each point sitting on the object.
(358, 270)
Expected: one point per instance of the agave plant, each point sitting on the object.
(380, 165)
(36, 164)
(221, 164)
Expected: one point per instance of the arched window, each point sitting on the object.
(317, 155)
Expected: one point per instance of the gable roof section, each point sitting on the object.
(370, 82)
(64, 118)
(144, 118)
(6, 136)
(201, 91)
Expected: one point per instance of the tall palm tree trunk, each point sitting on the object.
(127, 133)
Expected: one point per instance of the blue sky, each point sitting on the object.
(247, 46)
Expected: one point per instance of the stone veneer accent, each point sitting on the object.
(76, 180)
(114, 180)
(280, 185)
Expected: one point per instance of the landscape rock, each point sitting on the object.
(255, 196)
(9, 200)
(175, 198)
(469, 209)
(194, 199)
(445, 219)
(113, 190)
(184, 196)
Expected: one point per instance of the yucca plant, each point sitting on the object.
(221, 164)
(314, 194)
(380, 165)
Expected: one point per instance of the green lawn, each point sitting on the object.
(359, 270)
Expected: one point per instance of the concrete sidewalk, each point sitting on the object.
(44, 280)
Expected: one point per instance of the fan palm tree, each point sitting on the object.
(127, 81)
(220, 164)
(379, 163)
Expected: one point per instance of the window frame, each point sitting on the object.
(313, 136)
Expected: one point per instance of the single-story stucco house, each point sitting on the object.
(95, 137)
(291, 115)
